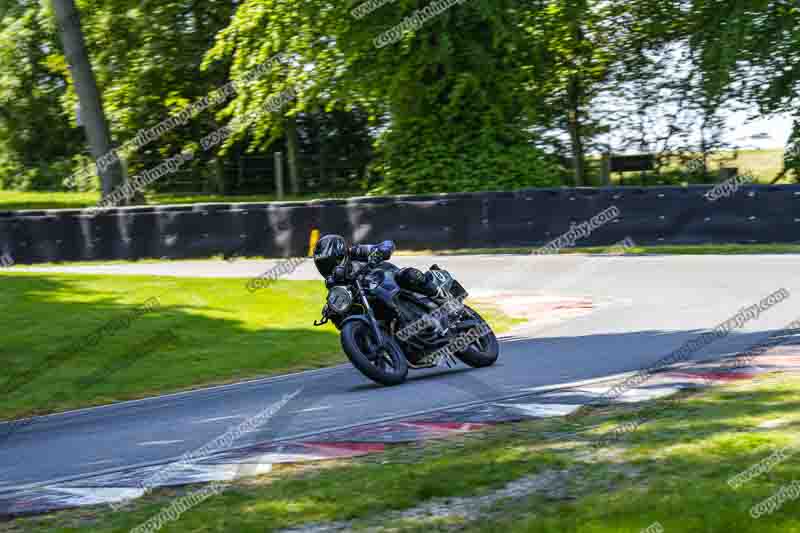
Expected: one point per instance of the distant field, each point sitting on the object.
(765, 165)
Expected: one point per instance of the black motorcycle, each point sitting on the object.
(391, 319)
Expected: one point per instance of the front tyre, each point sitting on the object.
(485, 350)
(387, 367)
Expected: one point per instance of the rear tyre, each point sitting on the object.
(387, 367)
(485, 350)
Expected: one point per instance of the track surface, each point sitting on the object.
(645, 307)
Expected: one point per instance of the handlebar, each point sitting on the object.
(370, 255)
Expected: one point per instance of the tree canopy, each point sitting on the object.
(414, 96)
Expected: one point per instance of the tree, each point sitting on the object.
(791, 157)
(293, 151)
(477, 95)
(450, 89)
(92, 115)
(573, 47)
(750, 50)
(151, 54)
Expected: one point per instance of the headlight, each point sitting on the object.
(340, 299)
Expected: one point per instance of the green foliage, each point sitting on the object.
(791, 158)
(425, 157)
(452, 89)
(147, 57)
(36, 138)
(472, 99)
(38, 175)
(335, 149)
(748, 49)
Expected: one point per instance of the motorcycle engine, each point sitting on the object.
(428, 339)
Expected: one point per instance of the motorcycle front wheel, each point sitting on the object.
(387, 367)
(485, 350)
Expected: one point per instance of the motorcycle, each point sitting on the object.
(393, 319)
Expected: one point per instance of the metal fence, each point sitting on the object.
(256, 175)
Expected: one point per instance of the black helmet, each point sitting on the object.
(328, 253)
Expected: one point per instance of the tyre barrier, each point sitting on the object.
(529, 217)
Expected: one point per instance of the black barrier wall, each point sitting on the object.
(652, 215)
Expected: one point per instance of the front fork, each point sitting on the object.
(371, 316)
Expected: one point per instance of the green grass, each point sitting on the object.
(176, 198)
(683, 461)
(218, 257)
(341, 493)
(672, 470)
(694, 249)
(223, 334)
(670, 249)
(18, 200)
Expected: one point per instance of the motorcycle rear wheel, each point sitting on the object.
(388, 367)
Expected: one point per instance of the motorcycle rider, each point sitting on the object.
(331, 251)
(387, 323)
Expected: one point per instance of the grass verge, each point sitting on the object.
(673, 471)
(204, 332)
(19, 200)
(688, 249)
(680, 465)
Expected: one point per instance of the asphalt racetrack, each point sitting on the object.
(642, 308)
